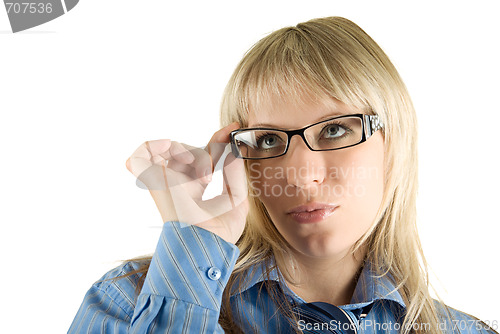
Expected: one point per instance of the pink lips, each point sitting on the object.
(312, 213)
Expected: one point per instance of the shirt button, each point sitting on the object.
(214, 273)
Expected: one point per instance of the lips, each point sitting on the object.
(311, 213)
(311, 207)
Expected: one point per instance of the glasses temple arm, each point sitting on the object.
(372, 124)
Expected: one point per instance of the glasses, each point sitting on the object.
(328, 135)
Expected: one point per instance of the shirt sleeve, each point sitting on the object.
(182, 292)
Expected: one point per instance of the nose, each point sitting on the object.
(305, 168)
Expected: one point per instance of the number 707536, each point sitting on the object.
(29, 7)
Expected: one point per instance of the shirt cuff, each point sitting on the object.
(190, 264)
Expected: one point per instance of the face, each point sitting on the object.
(350, 180)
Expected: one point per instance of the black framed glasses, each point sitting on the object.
(332, 134)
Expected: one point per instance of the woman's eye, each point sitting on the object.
(333, 131)
(267, 141)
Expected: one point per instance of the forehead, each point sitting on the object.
(296, 113)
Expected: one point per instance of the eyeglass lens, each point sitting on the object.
(328, 135)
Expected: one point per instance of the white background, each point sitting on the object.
(79, 94)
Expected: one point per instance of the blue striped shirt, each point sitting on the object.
(182, 293)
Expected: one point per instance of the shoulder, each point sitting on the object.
(120, 284)
(455, 321)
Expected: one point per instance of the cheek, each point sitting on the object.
(365, 180)
(365, 183)
(267, 181)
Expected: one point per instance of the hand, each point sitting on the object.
(177, 175)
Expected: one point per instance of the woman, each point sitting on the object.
(316, 227)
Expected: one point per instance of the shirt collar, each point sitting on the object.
(369, 287)
(256, 274)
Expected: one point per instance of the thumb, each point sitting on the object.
(217, 144)
(234, 180)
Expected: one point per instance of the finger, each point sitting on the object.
(145, 154)
(233, 200)
(180, 153)
(234, 180)
(159, 147)
(202, 164)
(180, 167)
(216, 145)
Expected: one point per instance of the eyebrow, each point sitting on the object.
(331, 115)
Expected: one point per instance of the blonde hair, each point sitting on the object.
(333, 57)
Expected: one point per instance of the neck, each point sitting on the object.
(329, 280)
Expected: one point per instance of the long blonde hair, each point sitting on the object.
(333, 57)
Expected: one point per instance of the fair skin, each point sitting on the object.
(175, 174)
(351, 178)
